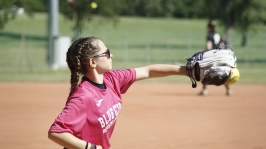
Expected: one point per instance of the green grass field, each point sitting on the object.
(134, 42)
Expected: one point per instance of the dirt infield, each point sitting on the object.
(153, 116)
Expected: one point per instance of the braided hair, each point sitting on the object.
(78, 55)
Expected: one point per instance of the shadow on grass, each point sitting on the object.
(17, 36)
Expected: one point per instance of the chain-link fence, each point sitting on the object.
(22, 52)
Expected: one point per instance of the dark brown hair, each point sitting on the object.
(77, 58)
(211, 25)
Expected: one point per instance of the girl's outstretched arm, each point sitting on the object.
(159, 70)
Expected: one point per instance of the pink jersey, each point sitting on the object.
(90, 113)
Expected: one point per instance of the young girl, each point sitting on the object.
(89, 116)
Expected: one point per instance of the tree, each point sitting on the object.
(241, 15)
(149, 8)
(251, 13)
(189, 8)
(6, 12)
(164, 8)
(8, 9)
(81, 11)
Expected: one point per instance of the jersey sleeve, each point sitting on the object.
(71, 119)
(122, 78)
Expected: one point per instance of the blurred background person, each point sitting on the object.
(213, 38)
(213, 41)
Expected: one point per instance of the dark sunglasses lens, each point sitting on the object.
(108, 53)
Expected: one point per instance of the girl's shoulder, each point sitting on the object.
(120, 74)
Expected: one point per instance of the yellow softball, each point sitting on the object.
(234, 77)
(93, 5)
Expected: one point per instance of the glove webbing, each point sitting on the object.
(197, 74)
(194, 83)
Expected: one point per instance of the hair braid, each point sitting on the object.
(77, 57)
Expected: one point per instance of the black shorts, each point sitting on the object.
(92, 147)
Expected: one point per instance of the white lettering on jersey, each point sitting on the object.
(115, 110)
(112, 113)
(109, 118)
(100, 119)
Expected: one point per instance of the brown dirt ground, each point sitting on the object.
(153, 116)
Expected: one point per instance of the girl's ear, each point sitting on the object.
(92, 63)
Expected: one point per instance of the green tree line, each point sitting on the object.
(241, 15)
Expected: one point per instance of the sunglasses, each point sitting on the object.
(103, 54)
